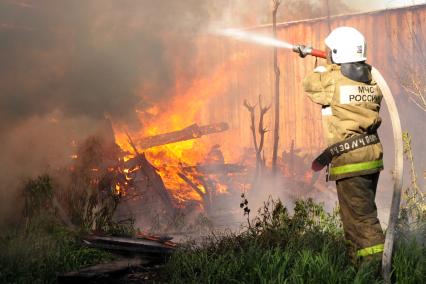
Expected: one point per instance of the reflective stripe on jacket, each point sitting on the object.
(349, 108)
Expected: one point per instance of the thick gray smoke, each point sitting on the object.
(64, 65)
(90, 57)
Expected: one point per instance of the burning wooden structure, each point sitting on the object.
(155, 191)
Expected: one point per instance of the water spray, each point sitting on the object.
(302, 50)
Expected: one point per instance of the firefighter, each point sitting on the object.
(350, 101)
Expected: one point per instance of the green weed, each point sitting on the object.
(39, 248)
(307, 247)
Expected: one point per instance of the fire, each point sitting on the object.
(221, 188)
(181, 172)
(186, 106)
(118, 190)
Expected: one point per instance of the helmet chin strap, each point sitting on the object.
(397, 173)
(330, 55)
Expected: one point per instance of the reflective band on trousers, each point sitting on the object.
(371, 250)
(350, 168)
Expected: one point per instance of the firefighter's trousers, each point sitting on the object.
(358, 212)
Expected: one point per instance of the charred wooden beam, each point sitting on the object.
(192, 185)
(120, 244)
(191, 132)
(101, 271)
(205, 196)
(216, 168)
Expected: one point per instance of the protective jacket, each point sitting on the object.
(350, 106)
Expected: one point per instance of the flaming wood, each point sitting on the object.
(207, 186)
(193, 185)
(191, 132)
(205, 196)
(156, 182)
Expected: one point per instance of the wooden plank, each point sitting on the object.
(128, 245)
(191, 132)
(103, 270)
(217, 168)
(192, 185)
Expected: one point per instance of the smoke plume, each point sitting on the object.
(65, 65)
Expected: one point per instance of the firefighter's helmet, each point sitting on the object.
(347, 45)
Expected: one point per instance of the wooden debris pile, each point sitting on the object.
(206, 179)
(134, 253)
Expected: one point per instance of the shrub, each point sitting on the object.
(39, 249)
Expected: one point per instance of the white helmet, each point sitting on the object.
(347, 45)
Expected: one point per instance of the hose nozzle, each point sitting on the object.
(304, 50)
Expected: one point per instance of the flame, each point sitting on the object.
(221, 188)
(119, 190)
(185, 107)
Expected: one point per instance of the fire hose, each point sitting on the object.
(398, 155)
(397, 173)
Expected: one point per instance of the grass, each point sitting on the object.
(307, 247)
(39, 247)
(38, 252)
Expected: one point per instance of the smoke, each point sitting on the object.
(95, 57)
(89, 57)
(39, 145)
(240, 13)
(65, 65)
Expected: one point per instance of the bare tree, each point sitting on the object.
(276, 4)
(416, 90)
(258, 147)
(413, 78)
